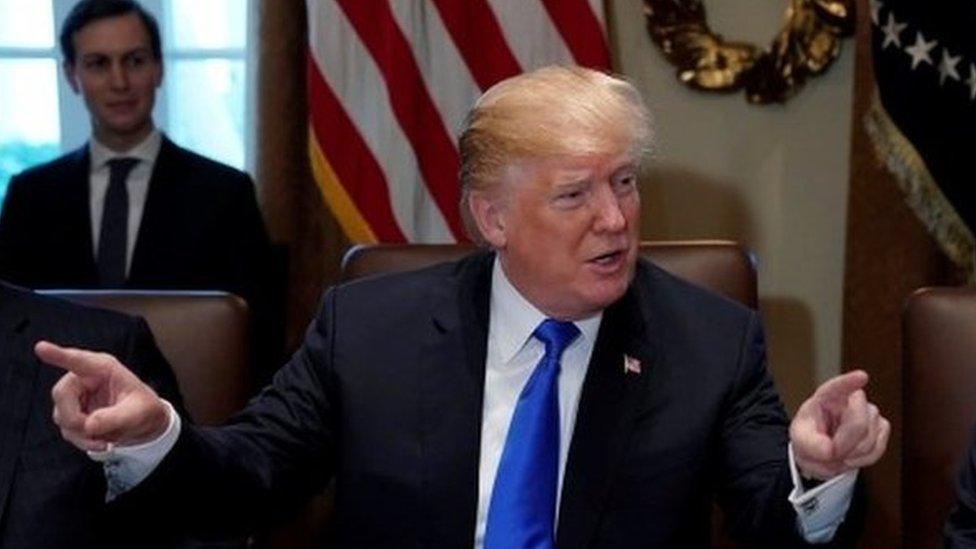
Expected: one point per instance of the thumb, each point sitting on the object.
(134, 419)
(810, 443)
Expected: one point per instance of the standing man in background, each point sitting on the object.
(131, 209)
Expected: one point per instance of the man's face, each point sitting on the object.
(116, 74)
(566, 230)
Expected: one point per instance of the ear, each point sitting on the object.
(488, 213)
(160, 72)
(69, 74)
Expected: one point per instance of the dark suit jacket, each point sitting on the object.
(960, 528)
(200, 229)
(52, 494)
(386, 396)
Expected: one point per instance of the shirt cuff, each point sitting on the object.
(127, 466)
(821, 510)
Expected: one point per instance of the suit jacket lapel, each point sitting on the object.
(18, 374)
(157, 213)
(605, 419)
(78, 226)
(451, 406)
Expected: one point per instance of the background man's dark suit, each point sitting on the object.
(387, 394)
(201, 228)
(51, 493)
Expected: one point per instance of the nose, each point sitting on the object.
(609, 211)
(118, 76)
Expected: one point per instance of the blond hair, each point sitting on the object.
(552, 111)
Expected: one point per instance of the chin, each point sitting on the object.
(606, 296)
(128, 129)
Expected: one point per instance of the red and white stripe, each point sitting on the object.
(390, 82)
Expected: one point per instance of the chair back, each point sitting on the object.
(939, 405)
(203, 335)
(721, 266)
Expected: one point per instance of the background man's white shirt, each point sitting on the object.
(137, 185)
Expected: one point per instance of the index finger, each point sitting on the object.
(840, 387)
(82, 363)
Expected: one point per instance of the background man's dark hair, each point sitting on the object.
(88, 11)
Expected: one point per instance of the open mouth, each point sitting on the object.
(608, 259)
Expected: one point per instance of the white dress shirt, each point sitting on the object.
(511, 357)
(512, 354)
(137, 185)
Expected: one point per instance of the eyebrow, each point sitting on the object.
(629, 166)
(571, 178)
(140, 49)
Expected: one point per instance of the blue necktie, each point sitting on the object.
(114, 231)
(523, 501)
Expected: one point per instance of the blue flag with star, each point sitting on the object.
(923, 123)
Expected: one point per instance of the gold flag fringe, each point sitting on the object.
(922, 194)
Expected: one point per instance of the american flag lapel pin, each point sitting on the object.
(631, 365)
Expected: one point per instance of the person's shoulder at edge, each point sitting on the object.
(86, 321)
(75, 324)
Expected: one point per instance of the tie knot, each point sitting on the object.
(556, 335)
(122, 165)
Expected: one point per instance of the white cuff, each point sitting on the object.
(127, 466)
(820, 511)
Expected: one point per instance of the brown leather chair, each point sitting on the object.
(203, 335)
(719, 265)
(939, 405)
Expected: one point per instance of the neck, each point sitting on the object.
(123, 142)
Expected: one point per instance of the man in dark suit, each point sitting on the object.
(52, 495)
(960, 526)
(130, 209)
(553, 391)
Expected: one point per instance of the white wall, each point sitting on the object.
(772, 177)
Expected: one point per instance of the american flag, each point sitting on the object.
(631, 365)
(923, 123)
(389, 85)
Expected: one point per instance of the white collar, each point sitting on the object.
(146, 150)
(514, 318)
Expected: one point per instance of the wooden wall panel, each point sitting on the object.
(888, 255)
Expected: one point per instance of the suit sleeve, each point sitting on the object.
(263, 463)
(960, 528)
(756, 481)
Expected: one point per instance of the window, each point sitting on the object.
(201, 105)
(30, 129)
